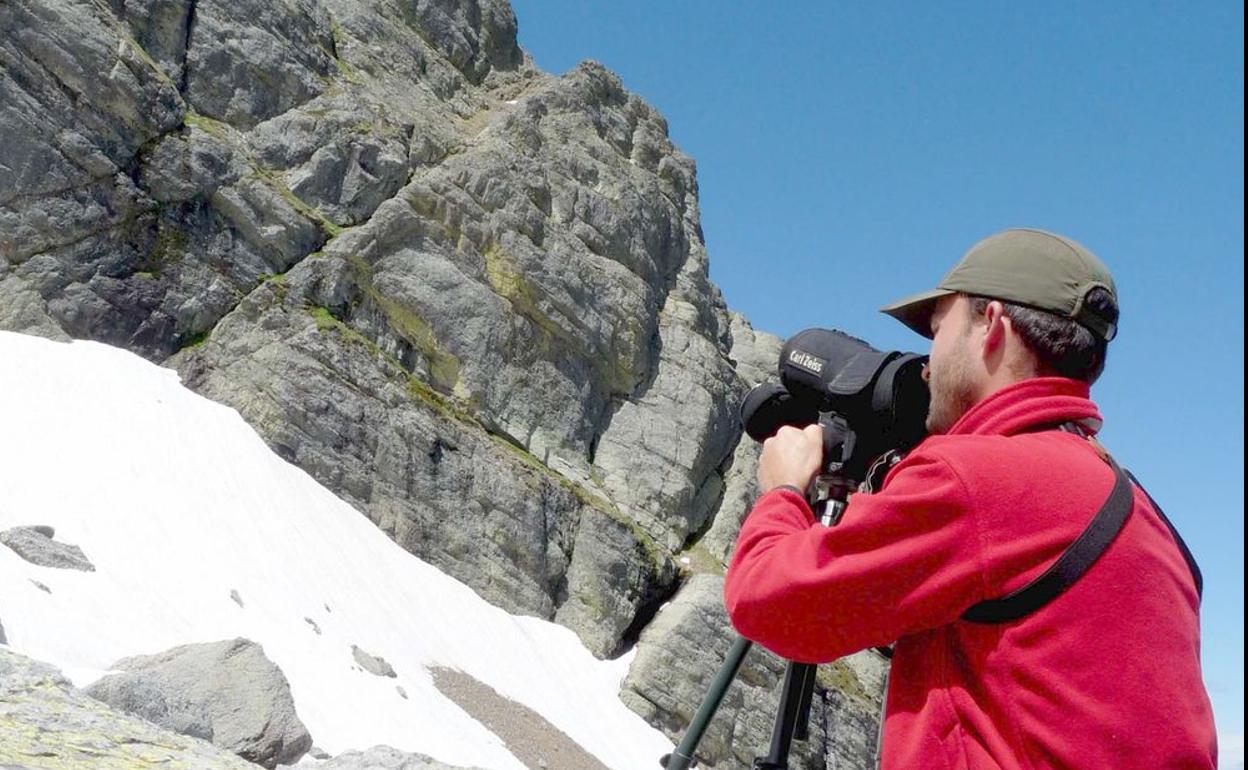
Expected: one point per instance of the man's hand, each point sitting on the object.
(790, 458)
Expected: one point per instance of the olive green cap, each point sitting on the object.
(1028, 267)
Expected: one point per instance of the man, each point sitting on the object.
(1105, 675)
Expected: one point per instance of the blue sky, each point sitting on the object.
(848, 154)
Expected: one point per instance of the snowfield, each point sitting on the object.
(177, 502)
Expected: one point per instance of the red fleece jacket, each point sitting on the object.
(1105, 676)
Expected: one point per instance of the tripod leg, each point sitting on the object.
(801, 731)
(682, 757)
(797, 677)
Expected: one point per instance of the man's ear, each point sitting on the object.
(995, 330)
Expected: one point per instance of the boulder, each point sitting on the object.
(35, 545)
(373, 664)
(225, 692)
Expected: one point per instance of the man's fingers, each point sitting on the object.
(789, 435)
(791, 457)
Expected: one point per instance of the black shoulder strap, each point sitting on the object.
(1070, 566)
(1079, 557)
(1178, 539)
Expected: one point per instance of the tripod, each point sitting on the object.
(828, 498)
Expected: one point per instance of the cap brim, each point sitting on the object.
(916, 311)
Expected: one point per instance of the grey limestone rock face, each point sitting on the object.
(248, 61)
(24, 309)
(43, 717)
(36, 546)
(740, 492)
(756, 355)
(852, 727)
(470, 298)
(475, 36)
(227, 693)
(77, 100)
(426, 471)
(128, 220)
(611, 584)
(662, 453)
(353, 172)
(161, 28)
(192, 163)
(680, 652)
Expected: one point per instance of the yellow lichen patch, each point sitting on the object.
(508, 281)
(208, 125)
(274, 181)
(418, 389)
(48, 727)
(438, 212)
(443, 366)
(839, 676)
(449, 407)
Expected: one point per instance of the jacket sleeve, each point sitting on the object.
(903, 560)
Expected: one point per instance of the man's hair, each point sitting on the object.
(1062, 346)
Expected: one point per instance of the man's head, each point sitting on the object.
(1020, 304)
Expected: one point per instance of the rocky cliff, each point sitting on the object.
(469, 297)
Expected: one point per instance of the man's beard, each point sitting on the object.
(952, 393)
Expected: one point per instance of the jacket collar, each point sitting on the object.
(1030, 404)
